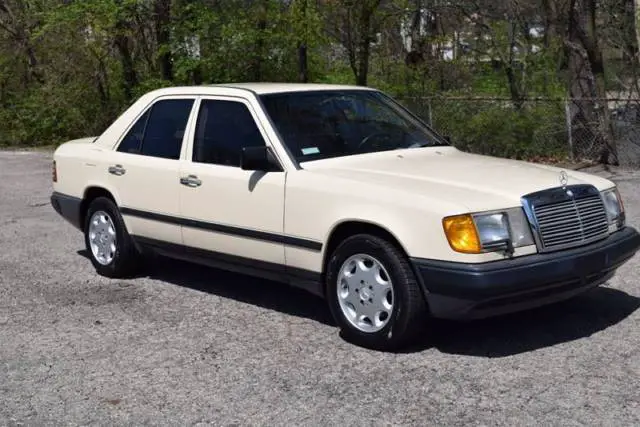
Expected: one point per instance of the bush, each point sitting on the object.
(496, 127)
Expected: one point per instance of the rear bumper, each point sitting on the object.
(68, 207)
(467, 291)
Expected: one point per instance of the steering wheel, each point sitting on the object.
(368, 139)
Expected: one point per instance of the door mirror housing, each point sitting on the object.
(259, 159)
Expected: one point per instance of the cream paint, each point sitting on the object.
(230, 196)
(150, 184)
(406, 192)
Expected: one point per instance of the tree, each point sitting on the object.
(18, 21)
(163, 37)
(586, 80)
(352, 23)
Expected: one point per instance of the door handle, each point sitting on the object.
(191, 181)
(117, 170)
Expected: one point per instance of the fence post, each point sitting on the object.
(567, 113)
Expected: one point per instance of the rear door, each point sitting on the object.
(145, 169)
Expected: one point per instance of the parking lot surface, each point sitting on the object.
(188, 345)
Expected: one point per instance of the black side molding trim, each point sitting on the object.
(226, 229)
(306, 280)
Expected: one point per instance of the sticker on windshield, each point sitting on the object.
(310, 150)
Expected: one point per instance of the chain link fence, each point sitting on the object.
(543, 129)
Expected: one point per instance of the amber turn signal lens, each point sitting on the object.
(462, 234)
(54, 172)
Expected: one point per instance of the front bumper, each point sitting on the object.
(467, 291)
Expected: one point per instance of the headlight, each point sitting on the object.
(492, 229)
(615, 208)
(488, 231)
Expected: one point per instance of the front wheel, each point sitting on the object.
(107, 241)
(373, 294)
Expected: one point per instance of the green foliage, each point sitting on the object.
(147, 85)
(67, 68)
(497, 128)
(46, 115)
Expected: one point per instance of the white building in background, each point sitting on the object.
(457, 44)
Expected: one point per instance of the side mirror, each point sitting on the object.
(259, 159)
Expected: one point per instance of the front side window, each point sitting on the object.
(223, 129)
(318, 125)
(160, 131)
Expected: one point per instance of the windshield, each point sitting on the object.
(323, 124)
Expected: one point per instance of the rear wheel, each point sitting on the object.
(107, 241)
(373, 294)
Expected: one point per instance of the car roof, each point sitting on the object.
(258, 88)
(272, 87)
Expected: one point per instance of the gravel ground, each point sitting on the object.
(191, 345)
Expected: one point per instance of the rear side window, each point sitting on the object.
(160, 131)
(222, 130)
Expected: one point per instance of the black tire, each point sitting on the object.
(126, 258)
(409, 315)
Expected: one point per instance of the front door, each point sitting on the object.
(231, 213)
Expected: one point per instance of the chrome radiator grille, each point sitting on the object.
(568, 217)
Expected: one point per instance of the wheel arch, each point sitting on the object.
(347, 228)
(91, 193)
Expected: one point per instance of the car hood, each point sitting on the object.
(474, 181)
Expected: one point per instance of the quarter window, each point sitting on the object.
(160, 131)
(133, 141)
(222, 130)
